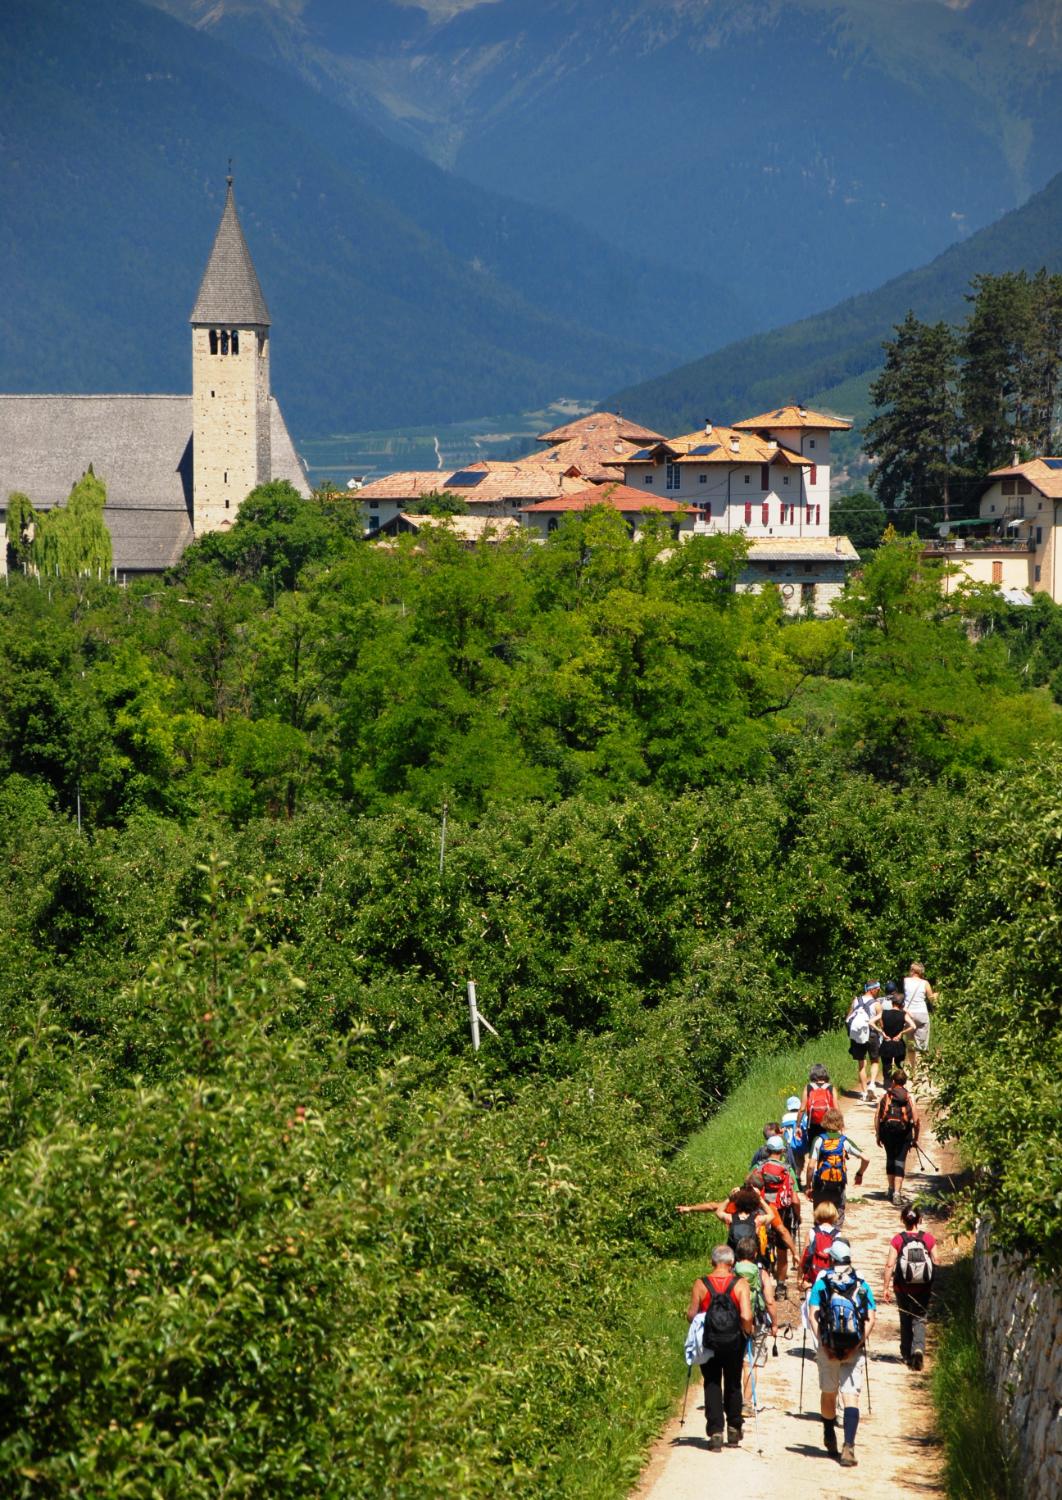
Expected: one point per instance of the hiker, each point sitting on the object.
(841, 1315)
(918, 998)
(909, 1272)
(727, 1306)
(772, 1127)
(897, 1128)
(893, 1026)
(775, 1180)
(764, 1307)
(795, 1133)
(827, 1167)
(862, 1037)
(769, 1229)
(816, 1257)
(817, 1098)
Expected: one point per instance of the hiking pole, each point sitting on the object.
(755, 1402)
(803, 1347)
(685, 1394)
(866, 1366)
(923, 1158)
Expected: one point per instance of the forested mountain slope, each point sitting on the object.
(831, 357)
(398, 291)
(813, 147)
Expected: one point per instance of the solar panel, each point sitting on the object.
(466, 478)
(642, 453)
(1053, 463)
(704, 449)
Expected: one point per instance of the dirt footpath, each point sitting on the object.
(896, 1447)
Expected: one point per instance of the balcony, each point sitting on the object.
(951, 546)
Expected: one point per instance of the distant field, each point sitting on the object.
(369, 455)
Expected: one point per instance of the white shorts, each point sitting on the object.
(841, 1375)
(921, 1036)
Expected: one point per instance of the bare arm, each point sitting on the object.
(698, 1208)
(745, 1307)
(697, 1296)
(886, 1280)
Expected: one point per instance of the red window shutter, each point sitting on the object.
(814, 473)
(748, 512)
(818, 515)
(765, 508)
(765, 476)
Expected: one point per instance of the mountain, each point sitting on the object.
(830, 359)
(806, 149)
(399, 292)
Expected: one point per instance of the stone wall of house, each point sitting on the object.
(1020, 1323)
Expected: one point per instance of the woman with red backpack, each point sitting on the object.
(896, 1129)
(909, 1272)
(817, 1098)
(816, 1257)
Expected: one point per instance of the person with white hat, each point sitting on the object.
(841, 1313)
(795, 1133)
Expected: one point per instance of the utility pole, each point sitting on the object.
(442, 841)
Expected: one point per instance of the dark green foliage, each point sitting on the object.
(440, 503)
(1012, 357)
(859, 517)
(916, 431)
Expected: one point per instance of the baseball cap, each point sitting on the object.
(792, 1102)
(775, 1143)
(841, 1252)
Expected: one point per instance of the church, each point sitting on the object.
(174, 466)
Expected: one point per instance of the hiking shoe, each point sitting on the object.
(848, 1458)
(830, 1439)
(916, 1360)
(781, 1290)
(734, 1435)
(715, 1442)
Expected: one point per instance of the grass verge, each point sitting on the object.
(606, 1460)
(977, 1463)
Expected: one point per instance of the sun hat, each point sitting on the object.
(792, 1102)
(841, 1253)
(775, 1143)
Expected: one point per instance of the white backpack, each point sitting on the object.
(859, 1027)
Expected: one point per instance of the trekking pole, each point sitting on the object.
(685, 1394)
(866, 1366)
(923, 1158)
(803, 1347)
(755, 1402)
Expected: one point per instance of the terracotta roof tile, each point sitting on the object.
(793, 415)
(1044, 474)
(717, 445)
(620, 497)
(601, 426)
(494, 483)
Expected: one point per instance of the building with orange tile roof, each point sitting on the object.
(1016, 539)
(488, 488)
(634, 505)
(595, 446)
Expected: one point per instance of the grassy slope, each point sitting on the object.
(829, 359)
(603, 1461)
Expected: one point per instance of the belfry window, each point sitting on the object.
(213, 341)
(235, 341)
(224, 341)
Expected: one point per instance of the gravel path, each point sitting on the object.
(897, 1448)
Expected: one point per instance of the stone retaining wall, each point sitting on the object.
(1020, 1323)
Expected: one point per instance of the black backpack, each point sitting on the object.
(723, 1332)
(743, 1227)
(897, 1116)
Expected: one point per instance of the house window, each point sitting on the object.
(226, 502)
(551, 524)
(764, 508)
(648, 479)
(748, 479)
(674, 477)
(807, 594)
(235, 336)
(765, 477)
(772, 567)
(813, 477)
(748, 512)
(1008, 486)
(992, 508)
(1036, 573)
(808, 567)
(703, 478)
(213, 341)
(1039, 535)
(997, 572)
(811, 442)
(224, 341)
(1024, 487)
(785, 478)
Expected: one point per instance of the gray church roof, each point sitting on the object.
(140, 446)
(229, 292)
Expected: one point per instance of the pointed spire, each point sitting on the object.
(229, 292)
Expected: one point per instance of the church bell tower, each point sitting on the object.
(230, 380)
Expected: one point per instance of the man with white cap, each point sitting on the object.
(862, 1036)
(795, 1133)
(841, 1312)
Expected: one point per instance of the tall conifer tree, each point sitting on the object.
(915, 434)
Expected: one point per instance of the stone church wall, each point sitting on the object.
(1020, 1323)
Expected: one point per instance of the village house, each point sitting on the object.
(635, 506)
(488, 488)
(468, 530)
(595, 446)
(769, 477)
(1014, 540)
(174, 466)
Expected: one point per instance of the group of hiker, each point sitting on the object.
(733, 1308)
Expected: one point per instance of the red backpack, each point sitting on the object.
(820, 1099)
(777, 1184)
(817, 1251)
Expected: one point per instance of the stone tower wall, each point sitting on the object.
(230, 424)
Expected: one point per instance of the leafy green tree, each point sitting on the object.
(859, 517)
(439, 503)
(276, 535)
(915, 432)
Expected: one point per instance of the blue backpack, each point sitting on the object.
(842, 1312)
(795, 1135)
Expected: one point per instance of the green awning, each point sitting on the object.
(973, 521)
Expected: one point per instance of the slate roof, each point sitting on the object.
(717, 445)
(229, 292)
(140, 446)
(793, 415)
(820, 549)
(620, 497)
(1044, 474)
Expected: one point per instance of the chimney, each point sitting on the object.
(707, 426)
(735, 445)
(802, 412)
(1015, 459)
